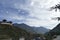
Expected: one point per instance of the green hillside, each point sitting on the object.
(13, 32)
(53, 33)
(9, 31)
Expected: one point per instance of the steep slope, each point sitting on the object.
(8, 31)
(56, 30)
(53, 33)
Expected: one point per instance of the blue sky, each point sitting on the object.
(32, 12)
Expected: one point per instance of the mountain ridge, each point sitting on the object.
(32, 29)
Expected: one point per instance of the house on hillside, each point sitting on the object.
(22, 38)
(6, 22)
(57, 37)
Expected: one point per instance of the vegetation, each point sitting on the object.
(4, 20)
(56, 31)
(15, 33)
(56, 7)
(53, 33)
(12, 31)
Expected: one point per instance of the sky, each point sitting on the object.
(31, 12)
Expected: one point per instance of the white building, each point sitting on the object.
(6, 22)
(57, 37)
(22, 38)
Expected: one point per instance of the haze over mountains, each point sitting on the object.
(32, 29)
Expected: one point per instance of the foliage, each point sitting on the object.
(12, 31)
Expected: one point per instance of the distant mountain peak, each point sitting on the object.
(32, 29)
(23, 23)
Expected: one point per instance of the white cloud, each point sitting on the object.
(38, 14)
(39, 9)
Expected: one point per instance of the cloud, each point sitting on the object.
(31, 12)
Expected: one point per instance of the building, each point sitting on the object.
(6, 22)
(57, 37)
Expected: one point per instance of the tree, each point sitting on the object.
(10, 21)
(4, 20)
(56, 18)
(55, 7)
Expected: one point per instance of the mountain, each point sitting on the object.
(32, 29)
(10, 31)
(56, 30)
(25, 27)
(53, 33)
(13, 32)
(41, 30)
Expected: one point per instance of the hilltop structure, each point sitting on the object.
(6, 22)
